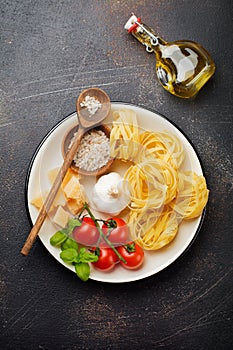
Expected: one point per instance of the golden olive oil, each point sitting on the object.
(182, 67)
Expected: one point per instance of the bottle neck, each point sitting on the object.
(146, 36)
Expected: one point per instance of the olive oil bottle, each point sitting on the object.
(182, 67)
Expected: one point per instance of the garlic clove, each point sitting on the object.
(110, 194)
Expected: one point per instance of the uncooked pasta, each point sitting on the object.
(163, 145)
(124, 138)
(162, 194)
(192, 195)
(153, 229)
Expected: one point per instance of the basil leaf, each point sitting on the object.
(69, 255)
(92, 257)
(58, 238)
(85, 256)
(82, 270)
(69, 243)
(72, 223)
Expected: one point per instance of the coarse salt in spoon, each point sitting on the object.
(93, 106)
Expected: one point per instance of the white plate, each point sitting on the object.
(48, 156)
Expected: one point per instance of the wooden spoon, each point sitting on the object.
(86, 121)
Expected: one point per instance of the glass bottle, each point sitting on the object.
(182, 67)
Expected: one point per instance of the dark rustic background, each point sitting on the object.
(50, 51)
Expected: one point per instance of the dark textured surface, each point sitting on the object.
(50, 51)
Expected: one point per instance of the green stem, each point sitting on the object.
(102, 234)
(79, 216)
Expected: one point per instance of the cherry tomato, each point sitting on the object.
(133, 255)
(86, 234)
(107, 259)
(116, 230)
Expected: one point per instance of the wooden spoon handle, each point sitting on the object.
(53, 191)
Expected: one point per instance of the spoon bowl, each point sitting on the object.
(86, 118)
(66, 142)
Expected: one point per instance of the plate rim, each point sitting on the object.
(47, 135)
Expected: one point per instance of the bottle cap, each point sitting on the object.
(132, 24)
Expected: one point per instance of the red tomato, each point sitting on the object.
(133, 255)
(86, 234)
(107, 259)
(116, 230)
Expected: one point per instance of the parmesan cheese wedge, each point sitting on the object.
(73, 189)
(74, 193)
(58, 200)
(61, 217)
(70, 173)
(38, 201)
(71, 193)
(52, 174)
(74, 206)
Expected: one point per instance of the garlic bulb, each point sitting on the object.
(111, 194)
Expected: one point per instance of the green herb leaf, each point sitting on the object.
(82, 270)
(72, 223)
(69, 255)
(85, 256)
(69, 243)
(58, 238)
